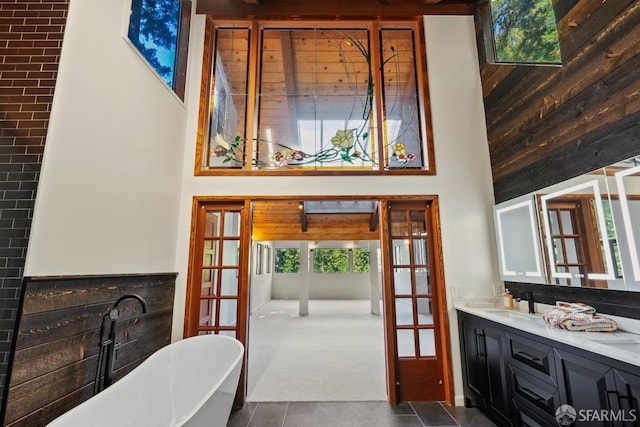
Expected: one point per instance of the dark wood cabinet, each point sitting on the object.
(627, 396)
(585, 384)
(520, 379)
(484, 369)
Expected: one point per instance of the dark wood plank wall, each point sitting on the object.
(548, 124)
(56, 355)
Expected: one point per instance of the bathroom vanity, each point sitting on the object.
(518, 370)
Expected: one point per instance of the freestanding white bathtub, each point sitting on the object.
(191, 382)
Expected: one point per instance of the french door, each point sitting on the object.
(217, 294)
(414, 326)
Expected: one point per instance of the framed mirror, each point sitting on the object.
(519, 249)
(576, 236)
(625, 204)
(583, 232)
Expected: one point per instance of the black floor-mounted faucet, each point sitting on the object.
(108, 346)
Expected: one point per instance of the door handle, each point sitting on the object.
(480, 337)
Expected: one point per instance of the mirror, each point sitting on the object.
(517, 227)
(625, 205)
(581, 232)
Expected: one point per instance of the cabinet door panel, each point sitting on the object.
(584, 384)
(496, 369)
(628, 396)
(475, 368)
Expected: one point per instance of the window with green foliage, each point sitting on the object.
(524, 31)
(287, 260)
(360, 260)
(155, 29)
(330, 260)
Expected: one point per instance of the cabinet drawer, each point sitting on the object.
(528, 388)
(531, 353)
(528, 416)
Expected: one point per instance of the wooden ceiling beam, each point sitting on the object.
(303, 218)
(375, 217)
(331, 9)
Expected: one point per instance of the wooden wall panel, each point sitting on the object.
(57, 343)
(547, 124)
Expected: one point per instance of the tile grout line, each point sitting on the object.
(252, 414)
(450, 414)
(286, 409)
(416, 414)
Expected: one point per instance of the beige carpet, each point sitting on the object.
(336, 353)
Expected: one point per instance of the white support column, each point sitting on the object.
(374, 274)
(304, 275)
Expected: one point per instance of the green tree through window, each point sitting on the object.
(330, 261)
(287, 260)
(153, 30)
(360, 260)
(524, 31)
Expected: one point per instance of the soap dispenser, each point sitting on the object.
(508, 300)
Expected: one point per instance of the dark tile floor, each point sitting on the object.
(355, 414)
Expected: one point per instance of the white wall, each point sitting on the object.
(260, 284)
(460, 135)
(108, 197)
(323, 285)
(463, 181)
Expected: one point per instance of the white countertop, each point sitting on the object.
(619, 345)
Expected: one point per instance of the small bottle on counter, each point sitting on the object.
(508, 300)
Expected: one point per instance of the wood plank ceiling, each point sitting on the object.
(331, 9)
(289, 220)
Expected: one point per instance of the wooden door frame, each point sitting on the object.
(438, 282)
(390, 345)
(192, 295)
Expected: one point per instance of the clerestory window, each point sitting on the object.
(314, 98)
(159, 30)
(521, 32)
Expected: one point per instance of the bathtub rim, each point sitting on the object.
(227, 372)
(205, 397)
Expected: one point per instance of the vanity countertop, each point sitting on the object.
(619, 345)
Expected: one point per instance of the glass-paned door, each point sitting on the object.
(415, 327)
(215, 305)
(577, 251)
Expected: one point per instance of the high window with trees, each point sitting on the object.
(159, 30)
(521, 31)
(314, 98)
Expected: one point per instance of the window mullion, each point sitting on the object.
(378, 116)
(252, 98)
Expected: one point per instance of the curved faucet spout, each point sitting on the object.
(141, 300)
(110, 343)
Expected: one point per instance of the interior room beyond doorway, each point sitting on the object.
(316, 332)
